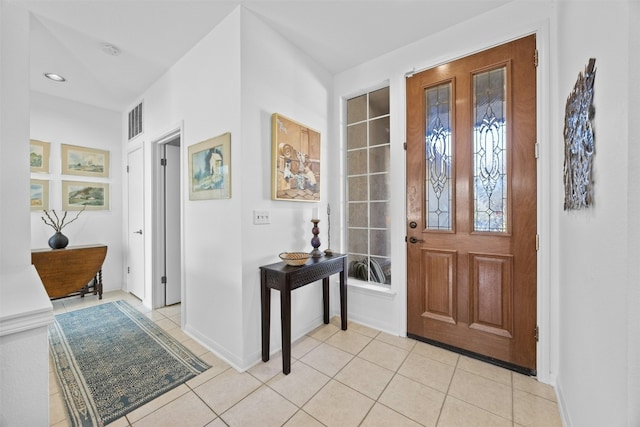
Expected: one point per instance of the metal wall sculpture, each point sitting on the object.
(579, 141)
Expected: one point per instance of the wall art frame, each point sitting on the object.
(39, 156)
(84, 161)
(78, 195)
(296, 163)
(39, 194)
(210, 168)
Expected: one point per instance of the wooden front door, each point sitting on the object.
(471, 204)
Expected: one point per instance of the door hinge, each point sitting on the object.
(163, 280)
(405, 146)
(537, 242)
(163, 162)
(405, 239)
(535, 58)
(128, 270)
(127, 168)
(536, 333)
(537, 150)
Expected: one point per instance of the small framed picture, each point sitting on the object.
(84, 161)
(295, 156)
(210, 169)
(77, 195)
(39, 195)
(39, 156)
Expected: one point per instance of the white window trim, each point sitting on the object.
(367, 288)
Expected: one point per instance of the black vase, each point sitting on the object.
(58, 241)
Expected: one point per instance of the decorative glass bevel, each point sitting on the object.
(439, 158)
(490, 151)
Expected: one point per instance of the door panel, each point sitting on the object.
(471, 185)
(440, 272)
(492, 294)
(135, 254)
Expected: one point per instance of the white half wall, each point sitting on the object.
(25, 310)
(60, 121)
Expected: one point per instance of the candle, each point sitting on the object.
(316, 214)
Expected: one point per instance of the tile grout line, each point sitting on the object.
(446, 394)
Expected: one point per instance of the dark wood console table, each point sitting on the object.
(74, 270)
(286, 278)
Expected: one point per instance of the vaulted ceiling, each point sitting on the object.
(68, 37)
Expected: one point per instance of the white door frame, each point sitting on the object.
(157, 249)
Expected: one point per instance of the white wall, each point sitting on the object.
(633, 298)
(233, 81)
(277, 78)
(59, 121)
(202, 92)
(384, 310)
(594, 275)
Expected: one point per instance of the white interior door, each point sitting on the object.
(135, 254)
(173, 275)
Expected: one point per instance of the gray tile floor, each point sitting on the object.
(358, 377)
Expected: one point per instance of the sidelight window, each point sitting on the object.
(368, 186)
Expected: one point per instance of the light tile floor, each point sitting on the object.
(359, 377)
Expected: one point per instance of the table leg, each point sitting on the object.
(285, 316)
(265, 297)
(325, 299)
(100, 284)
(343, 299)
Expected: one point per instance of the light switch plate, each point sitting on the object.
(261, 217)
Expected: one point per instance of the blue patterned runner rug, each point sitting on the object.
(111, 359)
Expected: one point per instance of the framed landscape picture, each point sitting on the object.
(39, 156)
(84, 161)
(77, 195)
(210, 169)
(295, 155)
(39, 195)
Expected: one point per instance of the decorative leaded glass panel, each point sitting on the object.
(490, 151)
(439, 157)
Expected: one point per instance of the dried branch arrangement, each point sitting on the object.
(59, 223)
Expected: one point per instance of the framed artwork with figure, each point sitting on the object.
(210, 168)
(295, 155)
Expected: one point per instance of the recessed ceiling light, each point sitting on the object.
(55, 77)
(110, 49)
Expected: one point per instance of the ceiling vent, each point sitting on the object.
(135, 121)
